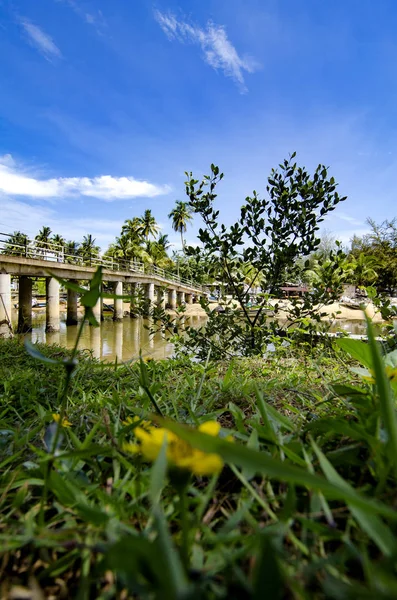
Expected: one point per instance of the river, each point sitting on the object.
(126, 339)
(122, 340)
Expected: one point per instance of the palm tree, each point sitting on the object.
(43, 238)
(131, 228)
(58, 240)
(71, 251)
(88, 249)
(163, 241)
(147, 225)
(181, 215)
(16, 244)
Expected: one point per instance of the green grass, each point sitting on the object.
(304, 507)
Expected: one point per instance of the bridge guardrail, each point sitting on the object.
(56, 253)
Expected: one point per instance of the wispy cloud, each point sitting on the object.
(218, 50)
(17, 182)
(92, 17)
(41, 41)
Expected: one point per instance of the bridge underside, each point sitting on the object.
(157, 290)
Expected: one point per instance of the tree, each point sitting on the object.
(71, 251)
(131, 229)
(381, 245)
(181, 215)
(58, 240)
(43, 238)
(271, 235)
(88, 249)
(147, 225)
(16, 244)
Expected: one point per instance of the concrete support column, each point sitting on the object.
(71, 311)
(52, 304)
(149, 297)
(160, 297)
(181, 298)
(189, 298)
(134, 299)
(118, 312)
(97, 310)
(5, 305)
(172, 299)
(25, 304)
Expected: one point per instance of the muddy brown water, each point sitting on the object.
(126, 339)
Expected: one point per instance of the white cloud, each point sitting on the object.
(16, 182)
(96, 18)
(219, 52)
(42, 41)
(19, 215)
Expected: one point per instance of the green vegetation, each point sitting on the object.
(303, 508)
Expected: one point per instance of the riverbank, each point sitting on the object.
(86, 510)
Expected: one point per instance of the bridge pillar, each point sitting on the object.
(134, 299)
(172, 299)
(71, 311)
(181, 298)
(25, 305)
(118, 312)
(52, 304)
(160, 298)
(149, 297)
(189, 298)
(97, 310)
(5, 306)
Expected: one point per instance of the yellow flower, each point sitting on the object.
(391, 372)
(135, 420)
(180, 453)
(369, 378)
(65, 422)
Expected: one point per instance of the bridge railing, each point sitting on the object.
(58, 253)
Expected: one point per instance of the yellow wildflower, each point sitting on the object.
(135, 420)
(391, 373)
(65, 422)
(369, 378)
(180, 454)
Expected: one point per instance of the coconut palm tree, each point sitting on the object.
(43, 238)
(181, 215)
(58, 240)
(88, 248)
(71, 251)
(16, 244)
(147, 225)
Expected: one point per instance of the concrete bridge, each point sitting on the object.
(127, 277)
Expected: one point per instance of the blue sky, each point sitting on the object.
(104, 105)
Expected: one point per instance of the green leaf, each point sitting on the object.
(266, 465)
(35, 353)
(357, 349)
(268, 577)
(371, 523)
(386, 398)
(158, 475)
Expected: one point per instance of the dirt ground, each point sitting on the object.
(334, 311)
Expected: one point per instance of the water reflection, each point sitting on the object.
(123, 340)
